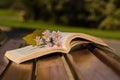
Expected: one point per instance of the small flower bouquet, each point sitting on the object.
(45, 38)
(49, 39)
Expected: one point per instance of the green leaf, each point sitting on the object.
(30, 37)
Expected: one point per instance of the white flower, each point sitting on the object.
(38, 40)
(56, 35)
(46, 35)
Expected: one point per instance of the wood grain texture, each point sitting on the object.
(10, 44)
(115, 65)
(89, 67)
(19, 71)
(51, 68)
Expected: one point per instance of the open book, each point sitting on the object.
(68, 41)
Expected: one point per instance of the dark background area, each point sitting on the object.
(100, 14)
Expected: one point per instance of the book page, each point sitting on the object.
(30, 52)
(68, 37)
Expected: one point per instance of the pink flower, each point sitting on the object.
(49, 44)
(56, 35)
(38, 40)
(58, 43)
(47, 35)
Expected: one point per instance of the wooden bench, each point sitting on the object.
(81, 64)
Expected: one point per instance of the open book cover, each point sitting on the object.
(68, 40)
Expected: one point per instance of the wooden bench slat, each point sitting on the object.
(68, 69)
(115, 65)
(51, 68)
(89, 67)
(15, 71)
(10, 44)
(19, 71)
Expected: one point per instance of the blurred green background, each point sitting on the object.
(96, 17)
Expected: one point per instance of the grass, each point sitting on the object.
(10, 18)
